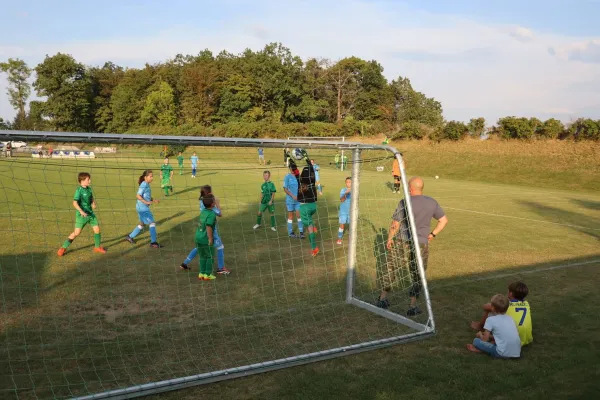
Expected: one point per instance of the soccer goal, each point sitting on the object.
(123, 310)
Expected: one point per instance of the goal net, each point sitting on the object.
(107, 314)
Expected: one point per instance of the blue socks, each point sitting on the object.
(340, 233)
(152, 234)
(290, 226)
(300, 226)
(136, 231)
(191, 256)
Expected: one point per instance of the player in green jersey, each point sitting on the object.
(205, 238)
(267, 200)
(180, 163)
(166, 174)
(85, 204)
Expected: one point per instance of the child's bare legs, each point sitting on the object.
(478, 325)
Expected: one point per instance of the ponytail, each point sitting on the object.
(142, 177)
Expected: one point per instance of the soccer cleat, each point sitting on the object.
(274, 229)
(129, 239)
(302, 235)
(101, 250)
(61, 251)
(184, 266)
(339, 241)
(385, 304)
(155, 245)
(224, 271)
(256, 226)
(293, 236)
(171, 189)
(209, 277)
(315, 252)
(201, 277)
(412, 311)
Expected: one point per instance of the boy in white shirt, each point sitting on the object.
(500, 337)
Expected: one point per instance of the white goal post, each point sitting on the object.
(128, 323)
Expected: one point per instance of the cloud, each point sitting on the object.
(522, 34)
(473, 68)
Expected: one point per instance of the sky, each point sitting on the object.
(479, 58)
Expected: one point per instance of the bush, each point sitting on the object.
(585, 129)
(551, 129)
(516, 128)
(409, 130)
(454, 130)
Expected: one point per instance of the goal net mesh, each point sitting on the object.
(86, 322)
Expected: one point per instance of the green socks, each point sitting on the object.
(67, 243)
(258, 220)
(312, 237)
(272, 220)
(97, 239)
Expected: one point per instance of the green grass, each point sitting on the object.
(87, 323)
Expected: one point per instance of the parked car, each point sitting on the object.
(15, 145)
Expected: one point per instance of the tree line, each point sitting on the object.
(270, 92)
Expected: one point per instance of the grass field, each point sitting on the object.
(86, 323)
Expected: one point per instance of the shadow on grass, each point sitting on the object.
(577, 221)
(592, 205)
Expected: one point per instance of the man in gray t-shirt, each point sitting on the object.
(400, 243)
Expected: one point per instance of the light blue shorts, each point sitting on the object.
(146, 217)
(344, 219)
(292, 206)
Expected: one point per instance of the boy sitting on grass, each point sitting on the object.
(518, 309)
(499, 328)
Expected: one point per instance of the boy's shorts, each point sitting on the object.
(344, 218)
(306, 213)
(396, 177)
(204, 250)
(80, 221)
(263, 207)
(292, 206)
(146, 217)
(261, 157)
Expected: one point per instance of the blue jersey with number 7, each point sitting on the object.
(521, 314)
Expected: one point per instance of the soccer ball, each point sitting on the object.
(437, 177)
(298, 153)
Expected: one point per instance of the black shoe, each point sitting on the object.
(302, 235)
(155, 245)
(294, 236)
(129, 239)
(184, 266)
(385, 304)
(412, 311)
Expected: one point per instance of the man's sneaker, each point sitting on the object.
(184, 266)
(294, 236)
(101, 250)
(256, 226)
(223, 271)
(274, 229)
(412, 311)
(201, 277)
(302, 235)
(339, 241)
(61, 251)
(385, 304)
(155, 245)
(315, 252)
(209, 277)
(129, 239)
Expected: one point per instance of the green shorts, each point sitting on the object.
(80, 221)
(264, 207)
(165, 182)
(306, 213)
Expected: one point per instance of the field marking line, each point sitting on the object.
(521, 218)
(507, 274)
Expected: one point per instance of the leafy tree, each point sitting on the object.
(585, 129)
(128, 98)
(4, 124)
(476, 126)
(104, 81)
(67, 87)
(199, 85)
(551, 128)
(159, 108)
(516, 128)
(410, 105)
(19, 88)
(455, 130)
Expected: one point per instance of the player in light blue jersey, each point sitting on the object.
(344, 213)
(144, 201)
(317, 176)
(217, 242)
(194, 161)
(290, 187)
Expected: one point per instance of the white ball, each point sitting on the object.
(437, 177)
(298, 153)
